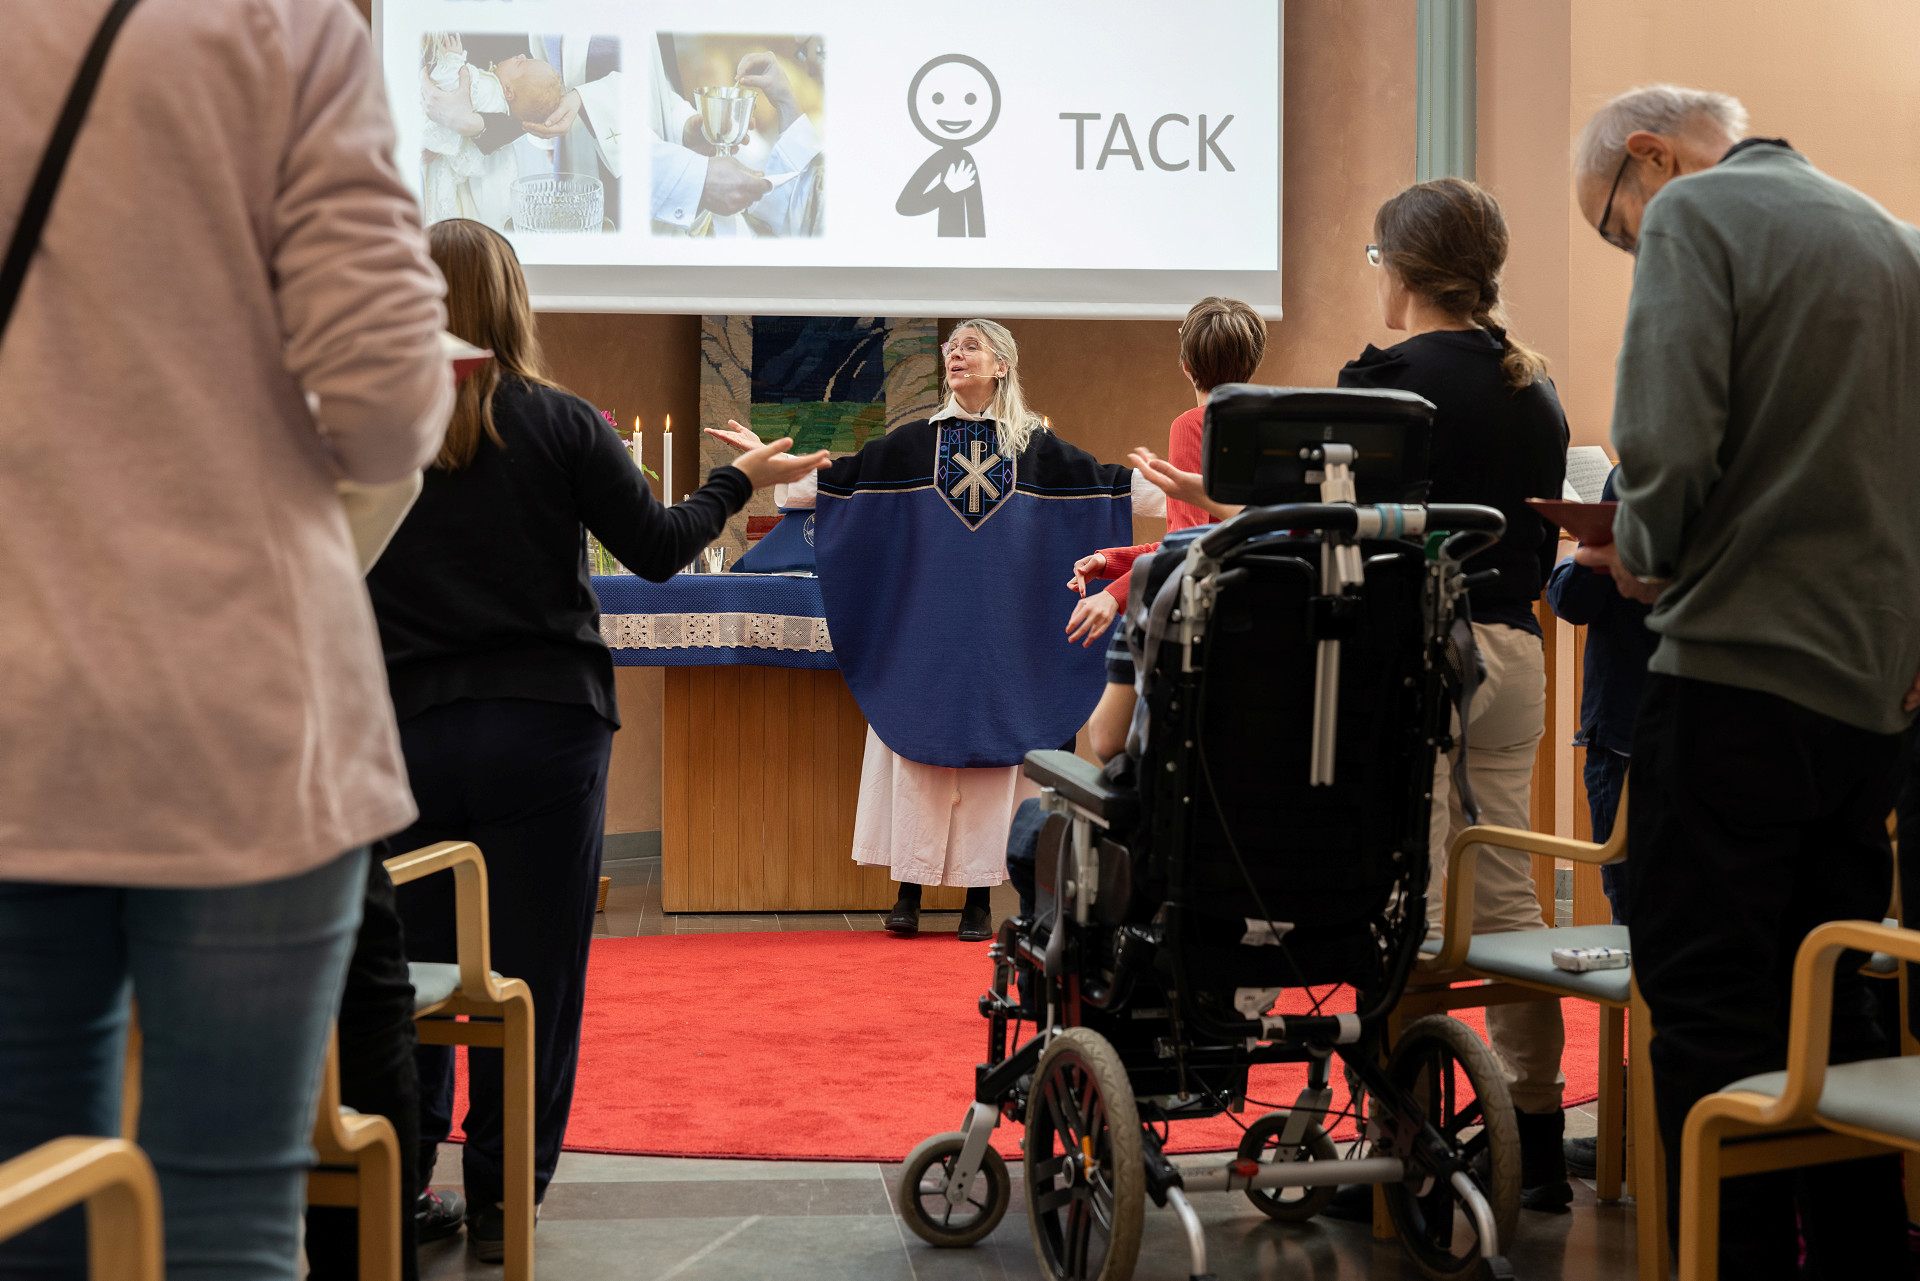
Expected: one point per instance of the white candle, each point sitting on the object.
(636, 442)
(666, 462)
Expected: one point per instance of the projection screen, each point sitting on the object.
(847, 157)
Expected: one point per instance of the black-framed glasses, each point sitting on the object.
(1373, 255)
(1618, 242)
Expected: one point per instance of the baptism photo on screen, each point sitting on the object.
(737, 124)
(522, 132)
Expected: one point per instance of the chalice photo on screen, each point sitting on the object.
(521, 133)
(737, 125)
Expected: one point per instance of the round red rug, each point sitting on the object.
(828, 1045)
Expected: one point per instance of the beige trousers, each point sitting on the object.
(1505, 723)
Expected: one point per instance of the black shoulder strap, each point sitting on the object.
(33, 215)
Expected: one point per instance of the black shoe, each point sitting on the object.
(976, 924)
(1543, 1162)
(437, 1215)
(904, 919)
(1352, 1203)
(487, 1233)
(1583, 1157)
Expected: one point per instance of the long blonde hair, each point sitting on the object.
(1013, 421)
(487, 305)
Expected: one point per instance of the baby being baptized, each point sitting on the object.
(524, 87)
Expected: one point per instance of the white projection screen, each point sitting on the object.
(848, 157)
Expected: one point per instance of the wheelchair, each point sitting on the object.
(1297, 668)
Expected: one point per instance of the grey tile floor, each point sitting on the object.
(659, 1218)
(668, 1219)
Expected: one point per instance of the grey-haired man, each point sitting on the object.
(1767, 418)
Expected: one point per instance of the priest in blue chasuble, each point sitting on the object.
(942, 549)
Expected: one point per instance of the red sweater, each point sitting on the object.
(1183, 451)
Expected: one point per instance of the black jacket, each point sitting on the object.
(1492, 444)
(484, 591)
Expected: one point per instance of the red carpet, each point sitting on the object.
(827, 1045)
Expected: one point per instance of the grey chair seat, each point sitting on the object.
(434, 982)
(1873, 1094)
(1527, 955)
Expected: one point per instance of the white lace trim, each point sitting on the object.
(716, 631)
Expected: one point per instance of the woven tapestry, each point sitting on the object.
(830, 382)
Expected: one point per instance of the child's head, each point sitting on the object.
(1221, 341)
(532, 88)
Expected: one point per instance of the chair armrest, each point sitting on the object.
(1809, 1035)
(472, 946)
(115, 1181)
(1081, 783)
(1456, 917)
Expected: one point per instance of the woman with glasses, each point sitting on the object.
(1499, 438)
(938, 547)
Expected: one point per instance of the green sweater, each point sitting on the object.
(1767, 418)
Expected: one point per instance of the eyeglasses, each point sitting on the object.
(1618, 242)
(968, 348)
(1373, 255)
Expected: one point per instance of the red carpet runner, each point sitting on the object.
(827, 1045)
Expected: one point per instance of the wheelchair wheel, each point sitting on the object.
(1454, 1079)
(923, 1200)
(1086, 1180)
(1261, 1143)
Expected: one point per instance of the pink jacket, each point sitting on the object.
(191, 687)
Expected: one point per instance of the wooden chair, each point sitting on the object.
(115, 1182)
(359, 1169)
(1812, 1113)
(498, 1013)
(1499, 969)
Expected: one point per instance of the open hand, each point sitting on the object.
(762, 71)
(1085, 570)
(1187, 486)
(1091, 618)
(958, 177)
(1606, 560)
(560, 122)
(770, 464)
(739, 438)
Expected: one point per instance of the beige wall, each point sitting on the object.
(1837, 79)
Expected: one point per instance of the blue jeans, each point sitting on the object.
(1606, 774)
(237, 987)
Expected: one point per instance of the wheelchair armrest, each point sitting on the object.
(1081, 782)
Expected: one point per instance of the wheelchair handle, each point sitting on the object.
(1382, 520)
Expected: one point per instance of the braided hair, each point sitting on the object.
(1447, 241)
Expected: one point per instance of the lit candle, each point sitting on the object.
(636, 442)
(666, 462)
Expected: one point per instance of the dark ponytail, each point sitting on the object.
(1447, 241)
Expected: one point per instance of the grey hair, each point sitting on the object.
(1014, 422)
(1668, 110)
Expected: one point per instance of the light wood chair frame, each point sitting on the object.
(488, 1012)
(1434, 990)
(1736, 1132)
(113, 1179)
(359, 1169)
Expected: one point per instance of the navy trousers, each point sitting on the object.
(526, 781)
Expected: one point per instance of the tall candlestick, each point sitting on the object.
(635, 444)
(666, 462)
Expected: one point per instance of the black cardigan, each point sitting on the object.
(484, 591)
(1492, 444)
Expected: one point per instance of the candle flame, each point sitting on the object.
(636, 424)
(669, 422)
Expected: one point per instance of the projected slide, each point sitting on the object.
(822, 156)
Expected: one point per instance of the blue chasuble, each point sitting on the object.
(943, 566)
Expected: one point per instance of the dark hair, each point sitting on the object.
(487, 305)
(1221, 341)
(1447, 241)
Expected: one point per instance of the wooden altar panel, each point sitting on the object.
(760, 776)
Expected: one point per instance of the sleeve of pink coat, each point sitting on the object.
(360, 300)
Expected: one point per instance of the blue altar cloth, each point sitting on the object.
(714, 620)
